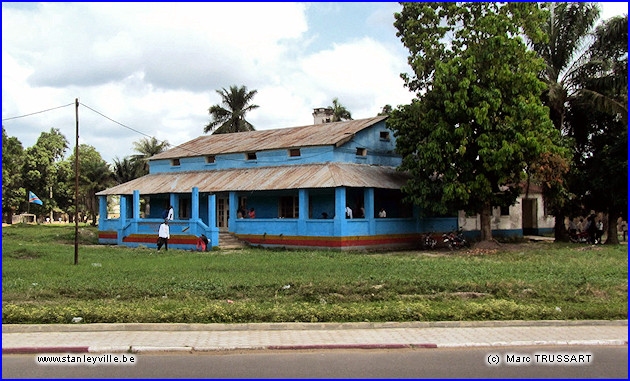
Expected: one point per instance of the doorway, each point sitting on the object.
(223, 213)
(530, 216)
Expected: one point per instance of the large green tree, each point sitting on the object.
(568, 27)
(13, 193)
(599, 112)
(41, 167)
(229, 116)
(477, 123)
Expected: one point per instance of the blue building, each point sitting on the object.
(298, 181)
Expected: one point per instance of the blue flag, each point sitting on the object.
(34, 199)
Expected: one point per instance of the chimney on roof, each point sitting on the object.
(322, 115)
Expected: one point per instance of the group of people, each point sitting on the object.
(243, 213)
(164, 233)
(361, 213)
(594, 228)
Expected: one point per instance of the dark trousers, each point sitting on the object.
(162, 241)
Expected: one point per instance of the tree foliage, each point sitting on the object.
(94, 176)
(41, 167)
(13, 192)
(229, 116)
(340, 112)
(477, 123)
(600, 177)
(146, 148)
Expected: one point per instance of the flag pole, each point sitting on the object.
(76, 186)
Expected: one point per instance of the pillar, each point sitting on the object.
(136, 205)
(368, 204)
(212, 220)
(233, 206)
(194, 204)
(102, 211)
(122, 219)
(173, 201)
(340, 212)
(303, 211)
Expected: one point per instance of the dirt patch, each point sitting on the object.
(487, 245)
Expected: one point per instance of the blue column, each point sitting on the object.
(368, 204)
(122, 219)
(303, 211)
(175, 204)
(212, 220)
(232, 213)
(136, 205)
(195, 204)
(102, 211)
(340, 212)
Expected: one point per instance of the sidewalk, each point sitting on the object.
(139, 338)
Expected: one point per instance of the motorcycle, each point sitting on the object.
(455, 239)
(579, 237)
(428, 241)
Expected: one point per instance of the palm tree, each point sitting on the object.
(146, 148)
(127, 169)
(569, 29)
(339, 111)
(231, 118)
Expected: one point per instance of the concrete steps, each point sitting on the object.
(228, 241)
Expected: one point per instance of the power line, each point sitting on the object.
(137, 131)
(38, 112)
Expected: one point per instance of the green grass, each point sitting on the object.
(40, 284)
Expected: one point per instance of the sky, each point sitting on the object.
(155, 67)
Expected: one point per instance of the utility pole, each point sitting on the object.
(76, 186)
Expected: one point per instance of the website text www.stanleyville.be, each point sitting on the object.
(87, 359)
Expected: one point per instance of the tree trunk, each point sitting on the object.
(486, 228)
(613, 238)
(559, 230)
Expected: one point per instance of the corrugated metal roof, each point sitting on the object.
(307, 136)
(324, 175)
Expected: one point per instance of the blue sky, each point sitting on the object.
(155, 66)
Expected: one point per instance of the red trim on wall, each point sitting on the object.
(151, 238)
(331, 241)
(107, 235)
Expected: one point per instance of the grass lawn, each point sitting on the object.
(40, 284)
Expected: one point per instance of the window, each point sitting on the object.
(361, 151)
(250, 155)
(175, 162)
(295, 152)
(505, 210)
(210, 159)
(385, 135)
(289, 207)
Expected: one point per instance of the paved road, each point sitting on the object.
(472, 362)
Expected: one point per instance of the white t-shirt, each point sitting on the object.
(170, 214)
(165, 231)
(348, 212)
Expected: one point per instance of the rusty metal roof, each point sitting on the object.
(307, 136)
(322, 175)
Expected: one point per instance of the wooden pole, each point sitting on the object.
(76, 186)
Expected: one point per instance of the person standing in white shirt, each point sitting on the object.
(170, 213)
(163, 235)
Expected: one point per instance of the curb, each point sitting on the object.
(102, 327)
(156, 349)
